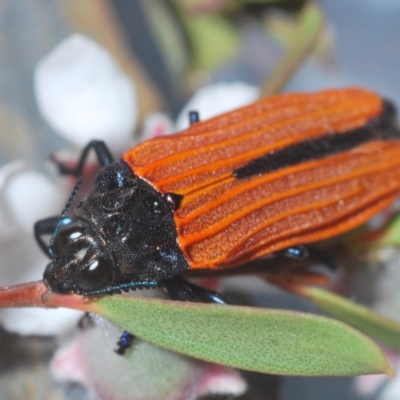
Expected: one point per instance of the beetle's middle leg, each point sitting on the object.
(179, 289)
(302, 252)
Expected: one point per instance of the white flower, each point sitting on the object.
(156, 125)
(26, 197)
(83, 94)
(216, 99)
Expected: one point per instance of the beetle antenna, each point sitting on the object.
(71, 198)
(63, 220)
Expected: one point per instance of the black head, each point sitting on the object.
(121, 236)
(80, 261)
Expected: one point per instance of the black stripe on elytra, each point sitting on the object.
(383, 127)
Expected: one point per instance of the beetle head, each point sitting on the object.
(80, 262)
(122, 236)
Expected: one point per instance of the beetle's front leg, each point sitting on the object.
(179, 289)
(45, 227)
(101, 150)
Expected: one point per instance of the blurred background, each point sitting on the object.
(171, 49)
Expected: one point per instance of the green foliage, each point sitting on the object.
(269, 341)
(361, 318)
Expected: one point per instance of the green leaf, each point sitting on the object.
(361, 318)
(269, 341)
(302, 43)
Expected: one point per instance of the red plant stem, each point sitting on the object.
(36, 294)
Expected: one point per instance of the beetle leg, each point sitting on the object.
(86, 321)
(103, 155)
(209, 296)
(178, 288)
(298, 252)
(45, 227)
(124, 343)
(194, 117)
(302, 252)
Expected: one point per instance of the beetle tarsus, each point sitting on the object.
(194, 117)
(124, 343)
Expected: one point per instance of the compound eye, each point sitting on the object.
(96, 276)
(66, 234)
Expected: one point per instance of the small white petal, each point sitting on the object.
(156, 125)
(23, 261)
(39, 321)
(8, 227)
(31, 196)
(8, 170)
(217, 99)
(83, 94)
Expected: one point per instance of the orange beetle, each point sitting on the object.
(285, 171)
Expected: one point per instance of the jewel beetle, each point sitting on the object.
(283, 172)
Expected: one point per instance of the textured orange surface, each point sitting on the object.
(223, 221)
(211, 150)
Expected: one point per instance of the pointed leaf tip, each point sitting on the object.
(365, 320)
